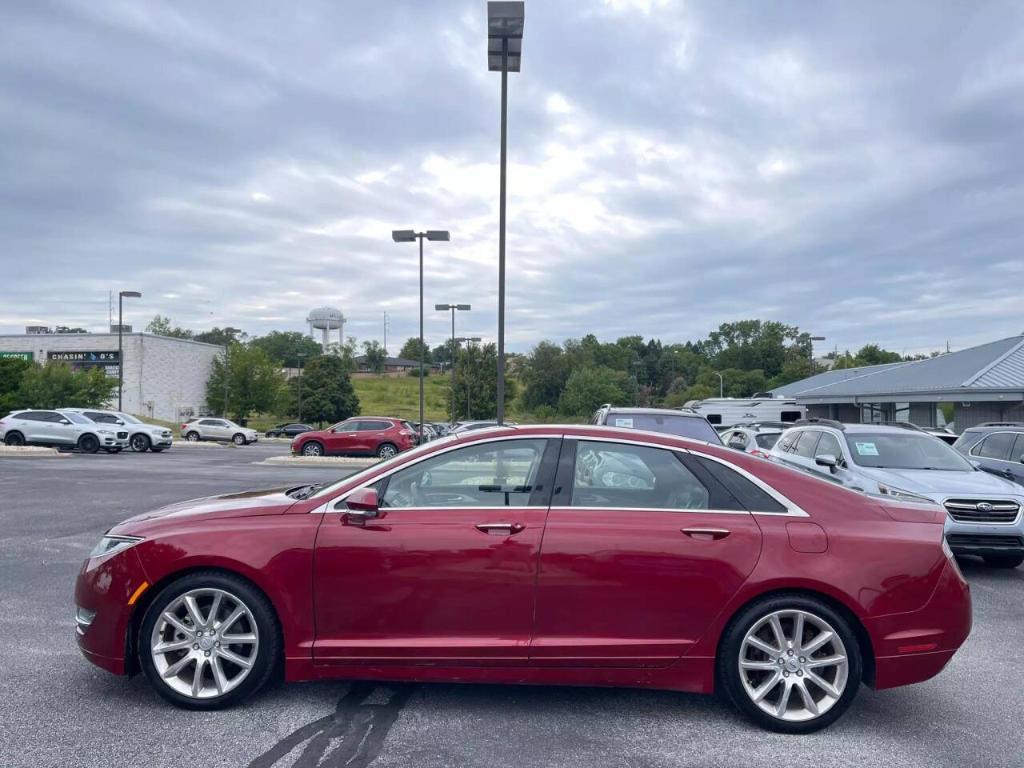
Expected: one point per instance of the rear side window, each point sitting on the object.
(617, 475)
(807, 444)
(766, 440)
(996, 446)
(749, 495)
(374, 426)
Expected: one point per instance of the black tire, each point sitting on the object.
(387, 451)
(88, 444)
(313, 448)
(14, 439)
(239, 439)
(141, 443)
(267, 657)
(729, 657)
(1003, 561)
(192, 437)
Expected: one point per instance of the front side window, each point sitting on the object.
(996, 446)
(210, 423)
(828, 444)
(634, 477)
(499, 474)
(101, 418)
(1017, 454)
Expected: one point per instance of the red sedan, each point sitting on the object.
(360, 436)
(569, 555)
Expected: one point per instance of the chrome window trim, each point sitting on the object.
(674, 510)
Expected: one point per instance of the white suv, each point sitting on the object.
(61, 430)
(142, 437)
(218, 429)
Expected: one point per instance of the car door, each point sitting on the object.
(33, 424)
(445, 573)
(342, 438)
(58, 428)
(642, 548)
(995, 454)
(369, 435)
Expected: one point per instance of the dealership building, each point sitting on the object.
(164, 378)
(983, 384)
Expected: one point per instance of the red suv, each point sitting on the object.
(360, 436)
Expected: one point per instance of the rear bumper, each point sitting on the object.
(914, 647)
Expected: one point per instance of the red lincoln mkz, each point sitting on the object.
(566, 555)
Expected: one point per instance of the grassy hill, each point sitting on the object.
(400, 396)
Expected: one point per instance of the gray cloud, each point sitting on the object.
(852, 169)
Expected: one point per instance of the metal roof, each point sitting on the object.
(995, 367)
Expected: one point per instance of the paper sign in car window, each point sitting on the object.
(867, 449)
(627, 423)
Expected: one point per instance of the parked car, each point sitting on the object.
(666, 563)
(462, 427)
(61, 430)
(996, 447)
(983, 511)
(681, 422)
(756, 438)
(358, 436)
(142, 437)
(223, 430)
(288, 430)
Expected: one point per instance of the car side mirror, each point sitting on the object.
(65, 422)
(827, 460)
(119, 422)
(360, 506)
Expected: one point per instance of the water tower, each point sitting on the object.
(325, 320)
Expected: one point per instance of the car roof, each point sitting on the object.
(1003, 426)
(587, 430)
(654, 411)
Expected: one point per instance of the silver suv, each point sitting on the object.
(142, 437)
(61, 430)
(681, 422)
(225, 430)
(983, 512)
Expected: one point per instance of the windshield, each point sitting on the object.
(127, 418)
(327, 490)
(912, 450)
(683, 426)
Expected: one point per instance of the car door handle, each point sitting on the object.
(710, 534)
(500, 529)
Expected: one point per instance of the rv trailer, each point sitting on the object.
(724, 412)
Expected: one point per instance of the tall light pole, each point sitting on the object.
(721, 384)
(812, 340)
(300, 355)
(121, 296)
(505, 22)
(408, 236)
(468, 340)
(453, 308)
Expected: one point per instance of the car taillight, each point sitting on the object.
(183, 426)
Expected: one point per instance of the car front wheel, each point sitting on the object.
(88, 444)
(239, 439)
(140, 443)
(209, 640)
(790, 663)
(312, 449)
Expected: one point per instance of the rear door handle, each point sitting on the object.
(500, 529)
(707, 534)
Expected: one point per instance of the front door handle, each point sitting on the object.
(500, 529)
(706, 534)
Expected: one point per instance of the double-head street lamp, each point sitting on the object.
(121, 296)
(505, 22)
(459, 340)
(408, 236)
(453, 308)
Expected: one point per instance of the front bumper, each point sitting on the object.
(914, 647)
(985, 538)
(105, 586)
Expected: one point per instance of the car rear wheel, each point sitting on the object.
(140, 443)
(209, 640)
(1003, 561)
(386, 451)
(239, 439)
(790, 663)
(192, 437)
(88, 444)
(312, 449)
(14, 439)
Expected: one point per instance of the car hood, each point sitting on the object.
(244, 504)
(938, 482)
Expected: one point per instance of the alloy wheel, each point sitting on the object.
(312, 449)
(192, 437)
(239, 439)
(387, 451)
(140, 443)
(793, 665)
(204, 643)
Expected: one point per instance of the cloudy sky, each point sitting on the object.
(856, 169)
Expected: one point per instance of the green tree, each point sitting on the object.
(872, 354)
(411, 350)
(161, 326)
(475, 381)
(286, 348)
(254, 383)
(221, 336)
(327, 394)
(589, 388)
(12, 371)
(374, 356)
(57, 385)
(544, 372)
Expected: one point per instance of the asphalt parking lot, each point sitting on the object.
(58, 710)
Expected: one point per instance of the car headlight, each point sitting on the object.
(111, 544)
(105, 431)
(898, 494)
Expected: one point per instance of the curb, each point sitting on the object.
(30, 452)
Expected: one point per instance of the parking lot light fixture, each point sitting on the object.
(505, 22)
(409, 236)
(453, 308)
(121, 296)
(813, 339)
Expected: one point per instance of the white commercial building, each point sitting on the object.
(164, 377)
